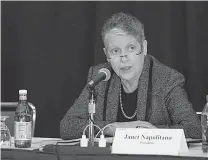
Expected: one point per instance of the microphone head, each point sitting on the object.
(106, 72)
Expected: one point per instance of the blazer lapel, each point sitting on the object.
(113, 98)
(142, 90)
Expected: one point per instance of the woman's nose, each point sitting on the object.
(124, 58)
(124, 54)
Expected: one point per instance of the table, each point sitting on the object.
(74, 152)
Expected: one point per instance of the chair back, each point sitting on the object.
(9, 108)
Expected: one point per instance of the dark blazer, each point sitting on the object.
(170, 107)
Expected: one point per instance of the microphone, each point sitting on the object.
(103, 75)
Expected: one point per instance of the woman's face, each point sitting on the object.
(125, 54)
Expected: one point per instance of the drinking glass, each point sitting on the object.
(5, 133)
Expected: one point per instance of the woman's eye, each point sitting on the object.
(131, 48)
(115, 51)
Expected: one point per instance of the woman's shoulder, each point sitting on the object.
(165, 76)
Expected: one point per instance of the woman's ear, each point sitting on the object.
(144, 47)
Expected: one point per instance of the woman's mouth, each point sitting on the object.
(125, 68)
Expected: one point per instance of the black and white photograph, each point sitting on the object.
(104, 80)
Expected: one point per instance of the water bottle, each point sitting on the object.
(23, 122)
(204, 124)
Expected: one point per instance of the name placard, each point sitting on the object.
(149, 141)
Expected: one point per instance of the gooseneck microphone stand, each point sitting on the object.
(91, 110)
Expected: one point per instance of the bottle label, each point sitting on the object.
(23, 130)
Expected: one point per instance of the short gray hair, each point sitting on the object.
(125, 22)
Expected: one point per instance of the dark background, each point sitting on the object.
(48, 47)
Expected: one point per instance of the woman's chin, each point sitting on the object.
(126, 76)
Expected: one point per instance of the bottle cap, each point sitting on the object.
(22, 91)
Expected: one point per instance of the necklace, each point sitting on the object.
(122, 110)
